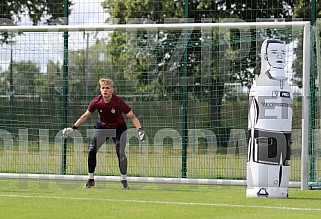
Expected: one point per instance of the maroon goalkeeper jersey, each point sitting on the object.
(111, 113)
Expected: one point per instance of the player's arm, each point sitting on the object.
(138, 126)
(81, 120)
(134, 119)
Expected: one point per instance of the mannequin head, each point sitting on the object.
(272, 55)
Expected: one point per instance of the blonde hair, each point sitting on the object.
(106, 81)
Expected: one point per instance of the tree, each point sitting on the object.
(163, 76)
(21, 80)
(302, 10)
(86, 66)
(11, 12)
(35, 9)
(25, 75)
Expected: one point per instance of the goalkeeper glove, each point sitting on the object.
(141, 134)
(68, 131)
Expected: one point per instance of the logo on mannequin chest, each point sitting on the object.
(284, 94)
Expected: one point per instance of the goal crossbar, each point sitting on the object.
(167, 26)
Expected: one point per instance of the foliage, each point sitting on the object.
(24, 75)
(35, 9)
(155, 60)
(11, 12)
(303, 10)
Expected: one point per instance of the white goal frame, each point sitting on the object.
(191, 26)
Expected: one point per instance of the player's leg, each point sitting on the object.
(96, 141)
(120, 142)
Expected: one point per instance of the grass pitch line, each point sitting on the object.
(160, 202)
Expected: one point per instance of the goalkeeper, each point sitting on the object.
(111, 109)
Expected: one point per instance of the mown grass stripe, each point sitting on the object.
(160, 202)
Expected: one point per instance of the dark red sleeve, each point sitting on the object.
(93, 105)
(124, 106)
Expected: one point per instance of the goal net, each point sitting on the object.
(188, 83)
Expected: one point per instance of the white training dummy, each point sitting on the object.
(269, 126)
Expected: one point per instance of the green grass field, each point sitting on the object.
(68, 199)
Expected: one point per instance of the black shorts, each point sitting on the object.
(102, 134)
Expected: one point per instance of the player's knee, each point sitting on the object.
(122, 158)
(92, 149)
(120, 153)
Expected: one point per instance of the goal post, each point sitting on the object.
(147, 70)
(305, 107)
